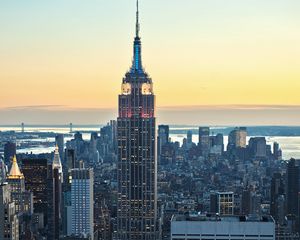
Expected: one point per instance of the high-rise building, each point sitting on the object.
(204, 141)
(222, 203)
(258, 147)
(277, 191)
(9, 224)
(54, 198)
(189, 137)
(162, 138)
(35, 174)
(211, 227)
(241, 140)
(57, 161)
(137, 165)
(9, 152)
(246, 202)
(237, 138)
(2, 171)
(82, 203)
(59, 140)
(22, 199)
(292, 191)
(57, 179)
(70, 158)
(277, 153)
(217, 144)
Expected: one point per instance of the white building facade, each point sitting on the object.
(201, 227)
(82, 206)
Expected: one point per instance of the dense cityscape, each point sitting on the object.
(131, 181)
(204, 180)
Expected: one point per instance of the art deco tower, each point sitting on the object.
(137, 166)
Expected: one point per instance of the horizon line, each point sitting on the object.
(170, 107)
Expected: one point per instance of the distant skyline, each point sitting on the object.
(221, 115)
(212, 61)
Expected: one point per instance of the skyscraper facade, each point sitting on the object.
(204, 141)
(137, 165)
(9, 152)
(163, 138)
(59, 139)
(9, 224)
(82, 203)
(292, 191)
(238, 138)
(35, 173)
(22, 199)
(57, 177)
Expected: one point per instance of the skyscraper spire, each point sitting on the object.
(137, 48)
(15, 172)
(56, 160)
(137, 217)
(137, 26)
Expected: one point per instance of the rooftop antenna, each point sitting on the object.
(137, 27)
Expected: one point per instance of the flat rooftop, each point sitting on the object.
(196, 217)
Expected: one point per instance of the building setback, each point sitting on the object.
(137, 165)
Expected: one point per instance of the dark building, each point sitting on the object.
(204, 141)
(292, 191)
(163, 138)
(59, 140)
(137, 166)
(189, 138)
(277, 153)
(35, 174)
(9, 152)
(70, 158)
(246, 202)
(277, 190)
(258, 147)
(50, 203)
(54, 203)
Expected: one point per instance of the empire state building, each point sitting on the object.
(137, 165)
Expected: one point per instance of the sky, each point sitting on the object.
(212, 61)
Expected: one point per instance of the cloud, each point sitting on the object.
(220, 115)
(34, 107)
(230, 107)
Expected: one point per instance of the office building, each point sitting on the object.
(9, 224)
(292, 192)
(9, 152)
(137, 166)
(204, 141)
(59, 140)
(162, 138)
(55, 179)
(2, 171)
(82, 203)
(277, 192)
(35, 175)
(22, 199)
(222, 203)
(70, 158)
(212, 227)
(258, 147)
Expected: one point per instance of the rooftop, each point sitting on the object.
(197, 217)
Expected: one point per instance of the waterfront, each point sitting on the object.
(289, 144)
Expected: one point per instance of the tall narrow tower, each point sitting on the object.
(137, 165)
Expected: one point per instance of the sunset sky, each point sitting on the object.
(69, 56)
